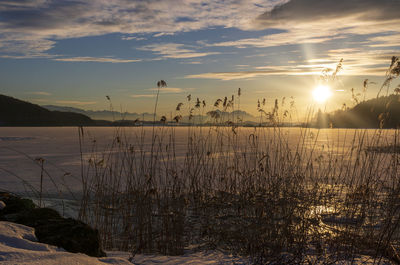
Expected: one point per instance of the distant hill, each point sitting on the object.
(103, 114)
(15, 112)
(382, 112)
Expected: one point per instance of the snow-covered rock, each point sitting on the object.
(18, 245)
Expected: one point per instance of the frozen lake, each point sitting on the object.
(60, 149)
(208, 179)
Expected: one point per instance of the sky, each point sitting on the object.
(75, 53)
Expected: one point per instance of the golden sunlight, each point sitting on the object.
(322, 93)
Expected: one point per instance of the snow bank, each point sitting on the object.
(18, 245)
(205, 258)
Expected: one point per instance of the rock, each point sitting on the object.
(50, 227)
(15, 204)
(36, 217)
(2, 205)
(72, 235)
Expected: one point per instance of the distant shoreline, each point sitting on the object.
(186, 126)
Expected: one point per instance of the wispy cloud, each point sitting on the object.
(174, 50)
(36, 25)
(24, 45)
(295, 36)
(31, 29)
(163, 34)
(75, 102)
(311, 11)
(40, 93)
(170, 89)
(356, 62)
(253, 74)
(143, 96)
(320, 21)
(163, 90)
(392, 40)
(132, 38)
(97, 60)
(23, 4)
(324, 18)
(39, 100)
(191, 62)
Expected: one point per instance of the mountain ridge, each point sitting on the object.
(112, 115)
(15, 112)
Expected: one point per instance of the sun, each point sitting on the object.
(322, 93)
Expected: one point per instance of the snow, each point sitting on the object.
(18, 245)
(201, 258)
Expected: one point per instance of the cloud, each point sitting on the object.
(363, 62)
(40, 93)
(39, 100)
(310, 11)
(174, 50)
(21, 4)
(320, 21)
(46, 21)
(192, 62)
(163, 34)
(20, 45)
(97, 60)
(31, 29)
(170, 89)
(75, 102)
(163, 90)
(251, 74)
(143, 96)
(295, 36)
(132, 38)
(356, 62)
(385, 41)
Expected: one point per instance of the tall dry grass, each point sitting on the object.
(251, 194)
(246, 191)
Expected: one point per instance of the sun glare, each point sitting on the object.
(322, 93)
